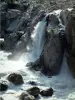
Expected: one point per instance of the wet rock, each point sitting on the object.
(52, 19)
(3, 6)
(70, 32)
(11, 39)
(48, 92)
(34, 91)
(15, 78)
(18, 5)
(13, 13)
(25, 96)
(63, 40)
(34, 65)
(1, 43)
(3, 86)
(32, 82)
(53, 54)
(1, 98)
(64, 15)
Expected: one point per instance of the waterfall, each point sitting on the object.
(34, 49)
(38, 38)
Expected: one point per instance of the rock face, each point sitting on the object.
(15, 78)
(70, 31)
(52, 51)
(34, 91)
(48, 92)
(3, 86)
(64, 15)
(25, 96)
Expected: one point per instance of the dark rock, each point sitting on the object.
(25, 96)
(11, 39)
(20, 6)
(1, 43)
(63, 40)
(3, 86)
(34, 65)
(3, 6)
(13, 13)
(1, 98)
(53, 53)
(15, 79)
(34, 91)
(32, 83)
(70, 32)
(64, 15)
(52, 19)
(48, 92)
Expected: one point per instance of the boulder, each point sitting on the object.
(34, 91)
(34, 65)
(70, 33)
(48, 92)
(15, 78)
(3, 86)
(53, 53)
(26, 96)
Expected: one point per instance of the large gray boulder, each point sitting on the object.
(52, 56)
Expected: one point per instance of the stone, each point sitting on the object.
(53, 53)
(34, 91)
(70, 34)
(15, 78)
(32, 83)
(11, 39)
(64, 15)
(52, 19)
(13, 13)
(48, 92)
(34, 65)
(25, 96)
(1, 98)
(1, 43)
(3, 6)
(3, 86)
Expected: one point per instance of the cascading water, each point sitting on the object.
(63, 84)
(38, 38)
